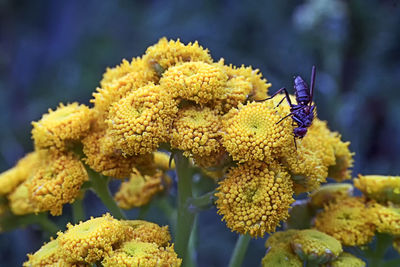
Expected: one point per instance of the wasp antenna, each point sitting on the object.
(313, 71)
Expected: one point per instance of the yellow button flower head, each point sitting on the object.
(347, 220)
(259, 85)
(237, 90)
(308, 164)
(196, 131)
(20, 202)
(102, 157)
(282, 238)
(315, 246)
(139, 189)
(386, 219)
(330, 193)
(255, 197)
(347, 260)
(148, 232)
(343, 160)
(11, 178)
(253, 133)
(139, 122)
(196, 81)
(165, 54)
(120, 81)
(56, 182)
(282, 257)
(378, 187)
(136, 253)
(48, 255)
(59, 128)
(91, 240)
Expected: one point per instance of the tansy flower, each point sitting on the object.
(347, 220)
(330, 193)
(196, 81)
(315, 246)
(254, 197)
(236, 90)
(346, 260)
(56, 182)
(148, 232)
(282, 238)
(386, 219)
(253, 133)
(119, 82)
(343, 160)
(139, 122)
(282, 257)
(196, 131)
(91, 240)
(20, 202)
(259, 85)
(49, 255)
(378, 187)
(11, 178)
(308, 163)
(215, 160)
(136, 253)
(102, 156)
(166, 54)
(139, 189)
(62, 127)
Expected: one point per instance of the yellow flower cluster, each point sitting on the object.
(62, 127)
(380, 188)
(255, 197)
(348, 220)
(292, 247)
(43, 180)
(197, 132)
(109, 241)
(330, 193)
(386, 219)
(140, 189)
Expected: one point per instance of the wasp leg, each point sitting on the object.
(278, 92)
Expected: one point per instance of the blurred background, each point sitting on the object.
(57, 51)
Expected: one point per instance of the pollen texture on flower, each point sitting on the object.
(196, 81)
(67, 124)
(378, 187)
(142, 120)
(139, 189)
(317, 246)
(386, 219)
(330, 193)
(348, 220)
(254, 198)
(347, 260)
(196, 131)
(91, 240)
(47, 255)
(56, 182)
(148, 232)
(254, 134)
(281, 256)
(136, 253)
(165, 54)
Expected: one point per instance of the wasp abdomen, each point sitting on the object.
(301, 90)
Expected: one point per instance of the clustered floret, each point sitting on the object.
(109, 241)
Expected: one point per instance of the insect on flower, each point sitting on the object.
(302, 113)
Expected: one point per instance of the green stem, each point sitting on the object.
(169, 211)
(185, 217)
(240, 251)
(204, 202)
(78, 213)
(100, 186)
(46, 224)
(376, 256)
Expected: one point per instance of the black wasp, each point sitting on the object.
(302, 113)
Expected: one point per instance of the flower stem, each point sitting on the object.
(100, 186)
(204, 202)
(185, 217)
(239, 251)
(78, 213)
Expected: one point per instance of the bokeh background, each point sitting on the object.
(56, 51)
